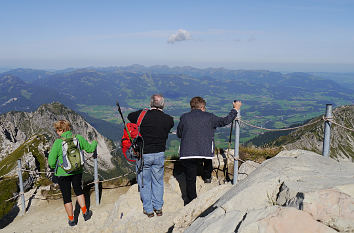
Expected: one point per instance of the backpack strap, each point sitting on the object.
(141, 117)
(138, 122)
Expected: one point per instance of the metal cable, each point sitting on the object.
(284, 129)
(114, 178)
(330, 120)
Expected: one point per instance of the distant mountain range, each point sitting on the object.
(271, 99)
(17, 95)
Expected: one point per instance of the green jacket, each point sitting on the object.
(57, 153)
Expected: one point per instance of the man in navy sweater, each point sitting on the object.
(196, 130)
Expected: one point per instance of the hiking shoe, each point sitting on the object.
(72, 223)
(150, 215)
(88, 215)
(207, 181)
(158, 212)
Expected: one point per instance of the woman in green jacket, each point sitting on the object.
(65, 179)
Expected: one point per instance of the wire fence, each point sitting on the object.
(282, 129)
(36, 172)
(90, 158)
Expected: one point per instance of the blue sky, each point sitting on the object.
(311, 35)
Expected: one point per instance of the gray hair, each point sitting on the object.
(157, 101)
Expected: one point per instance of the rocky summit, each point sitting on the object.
(295, 191)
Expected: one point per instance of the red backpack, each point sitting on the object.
(132, 142)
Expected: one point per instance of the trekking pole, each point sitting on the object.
(125, 126)
(228, 152)
(120, 112)
(229, 146)
(97, 192)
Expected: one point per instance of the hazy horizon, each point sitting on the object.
(346, 68)
(277, 35)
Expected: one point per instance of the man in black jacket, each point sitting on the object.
(196, 130)
(154, 129)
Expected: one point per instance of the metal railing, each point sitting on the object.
(328, 121)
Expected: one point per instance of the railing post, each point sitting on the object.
(22, 194)
(237, 145)
(97, 193)
(327, 131)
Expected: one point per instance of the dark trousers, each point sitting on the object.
(191, 167)
(65, 186)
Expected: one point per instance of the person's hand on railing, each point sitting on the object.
(237, 105)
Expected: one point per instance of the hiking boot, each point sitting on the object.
(72, 223)
(207, 181)
(87, 215)
(158, 212)
(150, 215)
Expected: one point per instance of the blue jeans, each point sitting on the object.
(151, 192)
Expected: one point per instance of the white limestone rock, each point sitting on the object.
(245, 169)
(300, 179)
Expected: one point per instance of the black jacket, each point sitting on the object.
(154, 129)
(196, 130)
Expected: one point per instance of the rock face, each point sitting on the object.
(296, 191)
(22, 128)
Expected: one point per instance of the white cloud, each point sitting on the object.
(181, 35)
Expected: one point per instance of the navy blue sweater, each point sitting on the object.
(196, 130)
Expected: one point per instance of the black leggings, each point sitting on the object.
(65, 186)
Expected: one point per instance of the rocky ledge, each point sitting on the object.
(296, 191)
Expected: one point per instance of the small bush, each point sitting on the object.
(258, 154)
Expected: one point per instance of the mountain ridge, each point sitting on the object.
(311, 137)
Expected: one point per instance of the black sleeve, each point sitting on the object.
(133, 116)
(172, 123)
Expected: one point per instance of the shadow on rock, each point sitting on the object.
(9, 218)
(181, 179)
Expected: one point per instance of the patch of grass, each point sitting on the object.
(43, 181)
(103, 112)
(31, 145)
(26, 94)
(10, 161)
(7, 187)
(258, 154)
